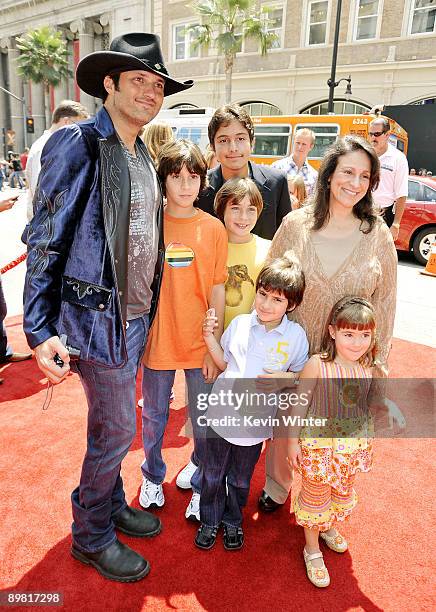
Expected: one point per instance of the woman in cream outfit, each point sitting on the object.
(345, 248)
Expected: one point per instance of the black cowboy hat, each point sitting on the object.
(135, 51)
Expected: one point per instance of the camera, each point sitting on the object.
(73, 352)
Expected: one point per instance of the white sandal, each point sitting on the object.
(319, 576)
(336, 542)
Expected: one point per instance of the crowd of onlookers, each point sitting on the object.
(12, 169)
(421, 172)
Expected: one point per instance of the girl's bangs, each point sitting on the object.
(360, 323)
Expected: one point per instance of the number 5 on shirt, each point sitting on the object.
(280, 351)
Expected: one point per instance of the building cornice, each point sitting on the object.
(8, 5)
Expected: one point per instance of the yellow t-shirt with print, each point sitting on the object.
(244, 262)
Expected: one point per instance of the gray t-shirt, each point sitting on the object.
(143, 233)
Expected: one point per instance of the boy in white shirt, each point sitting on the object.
(263, 341)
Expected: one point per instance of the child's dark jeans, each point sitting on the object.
(223, 460)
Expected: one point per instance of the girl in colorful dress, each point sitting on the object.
(338, 382)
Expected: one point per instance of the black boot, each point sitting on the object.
(137, 523)
(117, 562)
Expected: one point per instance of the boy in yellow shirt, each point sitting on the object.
(238, 205)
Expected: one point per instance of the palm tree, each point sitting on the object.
(228, 23)
(43, 59)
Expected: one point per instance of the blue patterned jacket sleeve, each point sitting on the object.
(67, 174)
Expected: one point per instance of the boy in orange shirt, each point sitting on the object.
(193, 281)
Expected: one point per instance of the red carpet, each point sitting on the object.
(388, 566)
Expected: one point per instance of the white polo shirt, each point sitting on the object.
(394, 173)
(248, 349)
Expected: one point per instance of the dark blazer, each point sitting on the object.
(78, 241)
(272, 185)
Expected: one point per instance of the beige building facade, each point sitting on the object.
(387, 46)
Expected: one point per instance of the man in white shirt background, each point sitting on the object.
(296, 163)
(68, 111)
(391, 193)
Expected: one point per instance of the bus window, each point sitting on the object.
(326, 134)
(271, 140)
(397, 142)
(190, 133)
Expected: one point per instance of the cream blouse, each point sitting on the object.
(369, 271)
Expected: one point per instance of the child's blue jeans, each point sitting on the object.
(225, 463)
(156, 391)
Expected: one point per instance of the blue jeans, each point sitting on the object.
(15, 177)
(111, 395)
(225, 464)
(156, 390)
(5, 350)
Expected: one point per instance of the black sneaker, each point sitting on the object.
(233, 537)
(206, 536)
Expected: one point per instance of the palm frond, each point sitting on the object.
(228, 22)
(43, 56)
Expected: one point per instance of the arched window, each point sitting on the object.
(426, 101)
(182, 105)
(340, 107)
(261, 108)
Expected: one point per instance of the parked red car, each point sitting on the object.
(418, 225)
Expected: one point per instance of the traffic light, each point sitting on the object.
(30, 125)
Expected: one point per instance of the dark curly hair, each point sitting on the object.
(364, 209)
(284, 275)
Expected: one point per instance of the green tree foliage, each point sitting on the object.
(43, 58)
(227, 23)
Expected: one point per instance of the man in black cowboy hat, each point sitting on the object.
(95, 255)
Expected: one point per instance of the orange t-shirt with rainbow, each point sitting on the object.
(195, 261)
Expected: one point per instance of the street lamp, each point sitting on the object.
(332, 83)
(23, 102)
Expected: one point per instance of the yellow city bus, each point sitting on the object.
(274, 135)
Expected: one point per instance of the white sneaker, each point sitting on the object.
(151, 495)
(183, 480)
(193, 510)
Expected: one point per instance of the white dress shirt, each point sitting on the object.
(33, 169)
